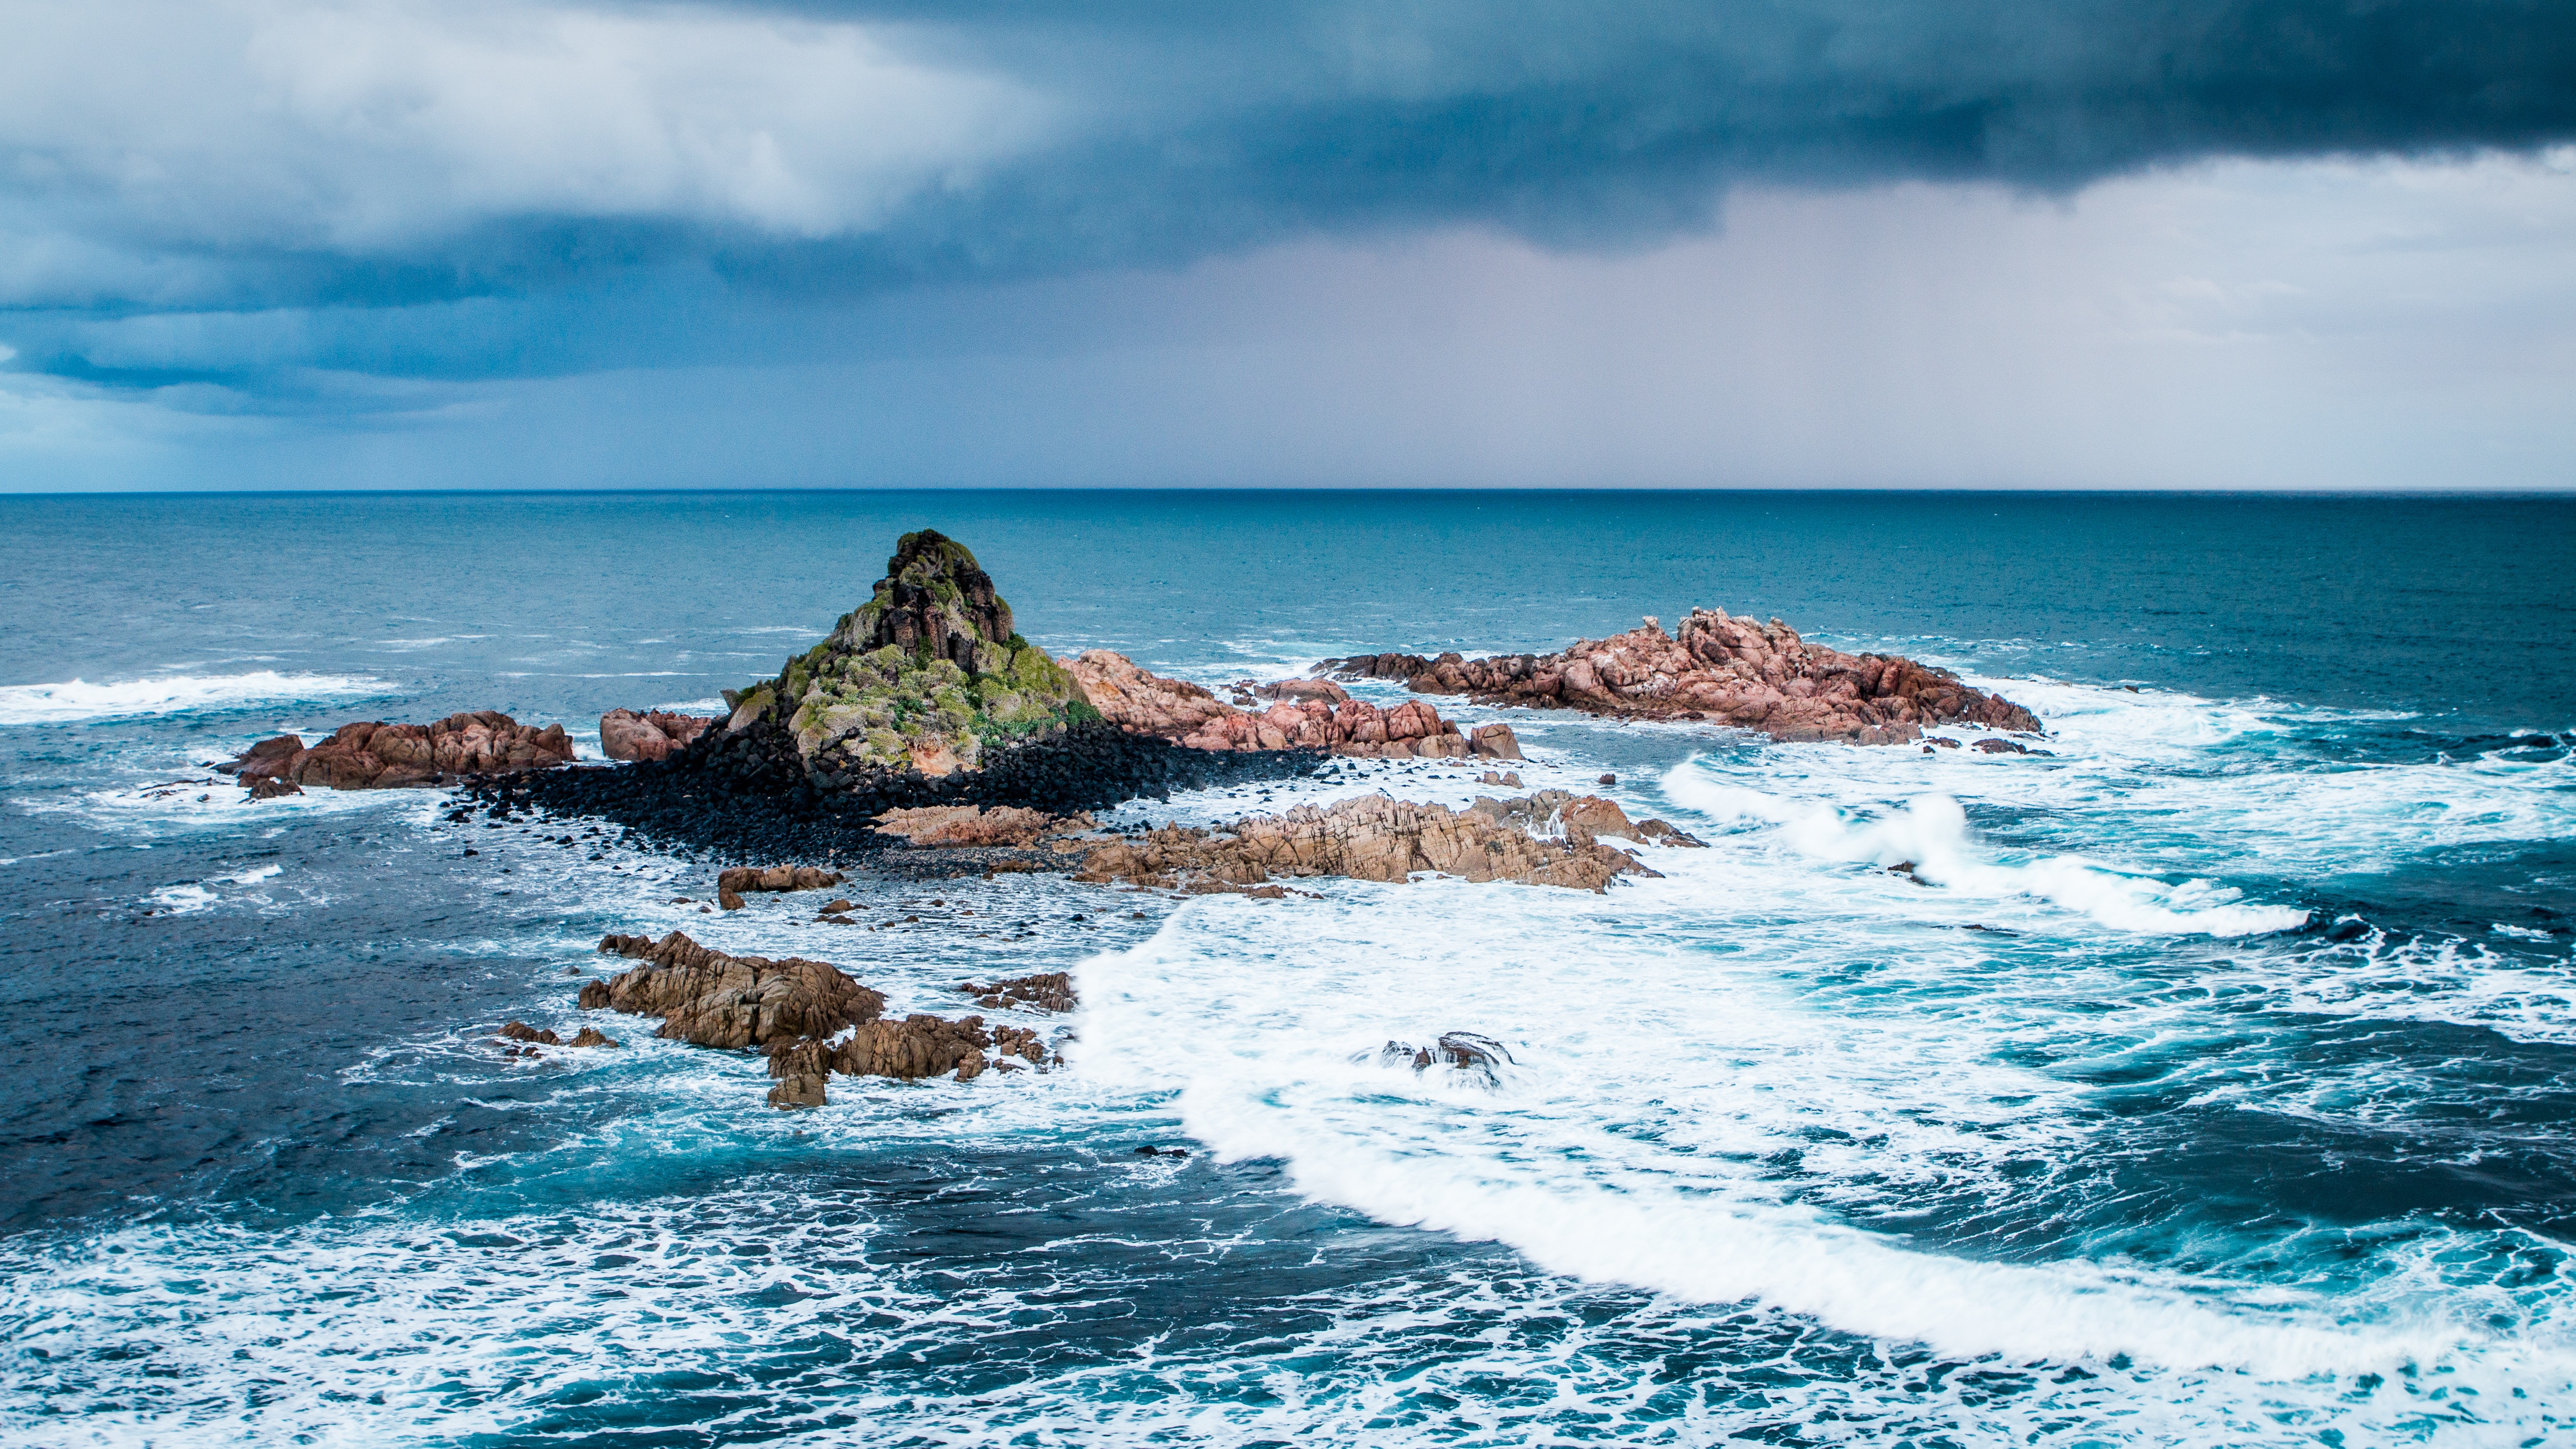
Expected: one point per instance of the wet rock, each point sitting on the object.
(591, 1036)
(1371, 838)
(1717, 667)
(522, 1032)
(270, 789)
(713, 999)
(1663, 834)
(377, 756)
(799, 1091)
(917, 1047)
(1051, 991)
(1940, 742)
(1466, 1052)
(1995, 746)
(1507, 779)
(971, 825)
(725, 900)
(746, 879)
(653, 735)
(836, 907)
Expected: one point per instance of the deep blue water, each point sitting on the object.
(2217, 1089)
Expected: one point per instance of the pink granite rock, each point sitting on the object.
(1734, 671)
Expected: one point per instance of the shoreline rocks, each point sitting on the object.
(1309, 714)
(1372, 837)
(655, 735)
(372, 755)
(794, 1010)
(974, 825)
(1730, 670)
(1047, 991)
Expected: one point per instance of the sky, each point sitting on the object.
(2323, 244)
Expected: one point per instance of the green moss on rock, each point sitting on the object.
(926, 675)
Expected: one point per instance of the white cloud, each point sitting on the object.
(356, 125)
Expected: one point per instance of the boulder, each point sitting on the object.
(372, 755)
(1717, 667)
(655, 735)
(712, 999)
(270, 789)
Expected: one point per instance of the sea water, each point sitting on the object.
(2206, 1079)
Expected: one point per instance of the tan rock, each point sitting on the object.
(712, 999)
(970, 825)
(657, 735)
(374, 756)
(1368, 838)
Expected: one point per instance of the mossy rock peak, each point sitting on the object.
(926, 675)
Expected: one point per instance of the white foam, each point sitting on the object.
(75, 700)
(1660, 1086)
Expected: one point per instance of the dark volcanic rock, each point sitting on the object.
(744, 794)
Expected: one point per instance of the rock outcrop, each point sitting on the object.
(1048, 991)
(1310, 714)
(926, 676)
(654, 735)
(909, 1050)
(378, 756)
(711, 999)
(1375, 838)
(1736, 671)
(971, 825)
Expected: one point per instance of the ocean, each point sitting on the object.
(2211, 1079)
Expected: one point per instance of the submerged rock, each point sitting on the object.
(1048, 991)
(1376, 838)
(1466, 1052)
(375, 756)
(712, 999)
(1737, 671)
(626, 735)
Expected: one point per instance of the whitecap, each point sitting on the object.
(75, 700)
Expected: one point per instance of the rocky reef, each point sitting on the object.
(711, 999)
(1372, 837)
(1717, 667)
(654, 735)
(808, 1017)
(376, 756)
(925, 677)
(1310, 714)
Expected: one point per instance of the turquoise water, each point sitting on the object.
(2215, 1089)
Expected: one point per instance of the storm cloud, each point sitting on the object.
(269, 153)
(313, 208)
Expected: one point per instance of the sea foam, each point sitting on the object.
(75, 700)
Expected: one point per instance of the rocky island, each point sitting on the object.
(1718, 667)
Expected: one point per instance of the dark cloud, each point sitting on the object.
(1169, 132)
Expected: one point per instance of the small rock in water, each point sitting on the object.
(728, 900)
(1609, 780)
